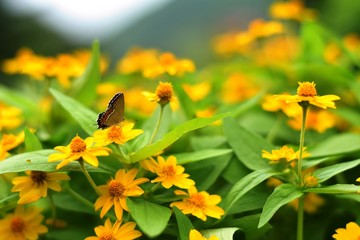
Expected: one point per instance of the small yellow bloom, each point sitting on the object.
(114, 193)
(273, 105)
(196, 235)
(285, 153)
(163, 95)
(8, 142)
(79, 149)
(198, 91)
(310, 181)
(118, 134)
(22, 224)
(168, 172)
(10, 117)
(200, 204)
(287, 10)
(351, 232)
(35, 185)
(115, 232)
(231, 43)
(136, 60)
(260, 28)
(306, 92)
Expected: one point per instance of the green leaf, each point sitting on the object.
(38, 161)
(173, 135)
(325, 173)
(32, 143)
(336, 145)
(19, 100)
(184, 224)
(67, 201)
(282, 195)
(84, 88)
(335, 189)
(221, 233)
(243, 186)
(151, 218)
(206, 142)
(246, 145)
(183, 158)
(83, 115)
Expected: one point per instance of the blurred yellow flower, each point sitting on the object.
(350, 232)
(273, 105)
(312, 202)
(79, 149)
(115, 232)
(8, 142)
(163, 95)
(115, 192)
(198, 91)
(199, 204)
(10, 117)
(169, 173)
(36, 184)
(238, 87)
(293, 9)
(306, 93)
(22, 224)
(310, 181)
(196, 235)
(260, 28)
(231, 43)
(136, 60)
(285, 153)
(118, 134)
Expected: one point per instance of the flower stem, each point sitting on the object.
(80, 198)
(52, 205)
(300, 219)
(88, 177)
(157, 124)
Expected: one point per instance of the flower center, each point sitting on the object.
(107, 236)
(114, 132)
(197, 201)
(77, 145)
(169, 171)
(306, 89)
(116, 189)
(17, 225)
(164, 91)
(310, 181)
(38, 177)
(167, 58)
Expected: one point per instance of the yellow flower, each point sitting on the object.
(260, 28)
(312, 202)
(35, 185)
(238, 87)
(8, 142)
(273, 105)
(163, 95)
(285, 153)
(115, 232)
(351, 232)
(310, 181)
(306, 93)
(168, 172)
(198, 91)
(114, 193)
(22, 224)
(196, 235)
(200, 204)
(293, 9)
(118, 134)
(10, 117)
(79, 149)
(136, 60)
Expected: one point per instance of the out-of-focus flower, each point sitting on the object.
(8, 142)
(136, 60)
(169, 173)
(196, 235)
(284, 154)
(260, 28)
(79, 149)
(332, 53)
(199, 204)
(163, 95)
(312, 202)
(22, 224)
(36, 184)
(350, 232)
(306, 92)
(294, 10)
(310, 181)
(114, 193)
(118, 134)
(10, 117)
(238, 87)
(117, 231)
(230, 43)
(273, 105)
(198, 91)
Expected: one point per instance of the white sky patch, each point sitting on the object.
(83, 20)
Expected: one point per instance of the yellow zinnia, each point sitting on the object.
(352, 231)
(35, 185)
(114, 193)
(79, 149)
(168, 172)
(200, 204)
(10, 117)
(117, 231)
(285, 153)
(22, 224)
(196, 235)
(8, 142)
(163, 95)
(118, 134)
(306, 93)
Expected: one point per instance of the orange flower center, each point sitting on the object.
(116, 189)
(77, 145)
(310, 181)
(306, 89)
(38, 177)
(17, 225)
(114, 133)
(197, 201)
(169, 171)
(164, 91)
(107, 236)
(167, 58)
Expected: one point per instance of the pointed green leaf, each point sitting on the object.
(174, 135)
(151, 218)
(243, 186)
(83, 115)
(282, 195)
(335, 189)
(246, 145)
(32, 143)
(325, 173)
(183, 158)
(184, 224)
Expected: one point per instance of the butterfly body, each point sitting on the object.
(114, 113)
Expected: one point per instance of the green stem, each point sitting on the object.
(52, 205)
(80, 198)
(88, 177)
(157, 124)
(300, 219)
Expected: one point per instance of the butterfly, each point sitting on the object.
(114, 113)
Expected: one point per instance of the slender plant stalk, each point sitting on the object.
(52, 206)
(300, 219)
(88, 177)
(80, 198)
(157, 124)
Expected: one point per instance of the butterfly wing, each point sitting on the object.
(114, 114)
